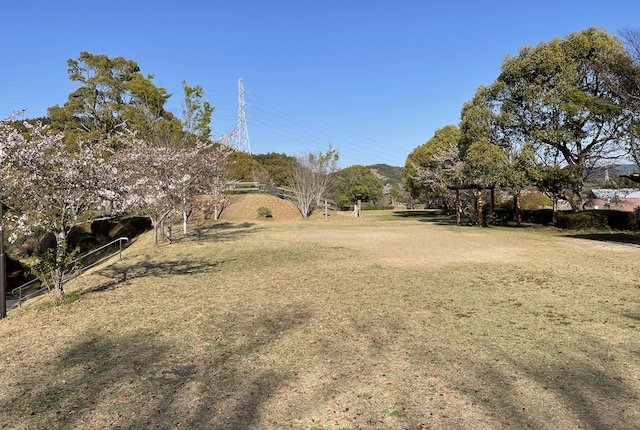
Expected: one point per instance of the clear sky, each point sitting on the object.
(372, 78)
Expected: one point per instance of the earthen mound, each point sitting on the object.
(245, 208)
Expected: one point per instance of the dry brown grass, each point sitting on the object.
(377, 323)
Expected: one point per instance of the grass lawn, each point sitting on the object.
(383, 322)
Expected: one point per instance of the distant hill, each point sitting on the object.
(392, 174)
(599, 174)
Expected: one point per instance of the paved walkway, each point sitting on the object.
(11, 300)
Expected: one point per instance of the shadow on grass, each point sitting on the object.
(142, 379)
(148, 267)
(521, 389)
(596, 396)
(431, 215)
(435, 216)
(634, 316)
(621, 238)
(218, 232)
(419, 213)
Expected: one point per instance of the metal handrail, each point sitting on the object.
(18, 290)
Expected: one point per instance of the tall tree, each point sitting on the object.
(520, 172)
(554, 96)
(622, 74)
(427, 157)
(112, 92)
(47, 185)
(445, 171)
(356, 183)
(196, 113)
(485, 164)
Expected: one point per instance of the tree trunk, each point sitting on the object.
(61, 255)
(479, 211)
(155, 234)
(359, 207)
(458, 207)
(184, 221)
(575, 200)
(517, 207)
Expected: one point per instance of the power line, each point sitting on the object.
(310, 141)
(325, 125)
(314, 130)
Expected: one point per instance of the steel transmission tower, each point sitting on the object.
(242, 133)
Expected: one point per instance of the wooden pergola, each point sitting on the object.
(478, 189)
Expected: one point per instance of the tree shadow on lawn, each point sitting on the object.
(142, 380)
(426, 215)
(439, 218)
(621, 238)
(218, 232)
(122, 272)
(549, 386)
(465, 223)
(573, 387)
(634, 316)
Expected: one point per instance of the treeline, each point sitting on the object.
(556, 112)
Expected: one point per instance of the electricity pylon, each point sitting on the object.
(242, 133)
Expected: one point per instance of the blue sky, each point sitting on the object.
(372, 78)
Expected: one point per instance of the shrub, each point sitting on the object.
(44, 267)
(541, 216)
(264, 212)
(581, 220)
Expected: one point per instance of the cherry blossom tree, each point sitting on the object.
(164, 180)
(152, 186)
(51, 186)
(202, 171)
(213, 179)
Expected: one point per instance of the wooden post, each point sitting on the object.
(458, 207)
(359, 207)
(517, 206)
(479, 211)
(326, 208)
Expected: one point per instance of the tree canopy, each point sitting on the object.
(356, 183)
(48, 185)
(274, 168)
(112, 92)
(424, 157)
(554, 96)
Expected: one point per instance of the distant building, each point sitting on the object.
(623, 199)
